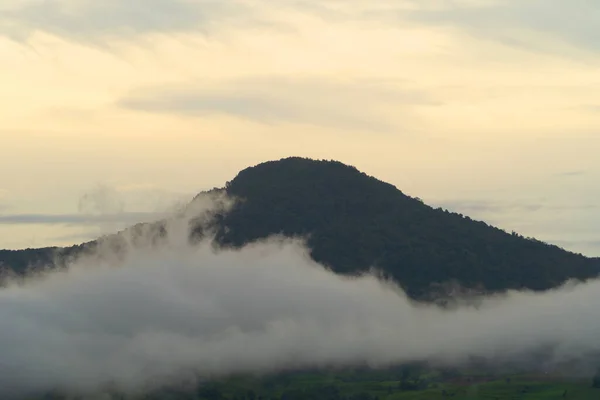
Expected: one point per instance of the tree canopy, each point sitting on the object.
(354, 221)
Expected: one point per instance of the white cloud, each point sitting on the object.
(539, 25)
(120, 218)
(93, 21)
(347, 104)
(163, 312)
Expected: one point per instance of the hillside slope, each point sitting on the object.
(354, 221)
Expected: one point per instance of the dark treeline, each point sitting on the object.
(354, 221)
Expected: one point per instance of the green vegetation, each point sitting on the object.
(390, 385)
(401, 383)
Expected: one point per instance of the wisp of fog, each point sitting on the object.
(165, 311)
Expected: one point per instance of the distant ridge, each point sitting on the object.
(354, 221)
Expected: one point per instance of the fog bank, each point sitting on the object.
(175, 309)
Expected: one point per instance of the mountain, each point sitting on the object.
(353, 221)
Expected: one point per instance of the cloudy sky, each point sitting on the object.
(113, 111)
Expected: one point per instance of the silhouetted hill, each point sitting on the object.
(21, 262)
(354, 221)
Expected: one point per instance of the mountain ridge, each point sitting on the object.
(353, 221)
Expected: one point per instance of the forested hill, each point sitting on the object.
(354, 221)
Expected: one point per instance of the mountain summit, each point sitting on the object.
(353, 222)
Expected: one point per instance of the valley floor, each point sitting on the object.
(394, 384)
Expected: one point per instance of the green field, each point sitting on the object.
(387, 385)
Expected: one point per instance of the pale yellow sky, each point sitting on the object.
(491, 108)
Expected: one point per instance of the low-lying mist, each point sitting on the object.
(163, 312)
